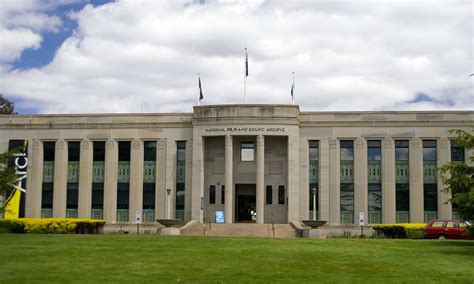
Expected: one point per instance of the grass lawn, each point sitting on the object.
(147, 258)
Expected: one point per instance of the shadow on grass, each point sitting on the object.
(464, 248)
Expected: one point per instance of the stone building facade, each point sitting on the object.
(253, 163)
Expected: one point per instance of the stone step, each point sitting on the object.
(241, 230)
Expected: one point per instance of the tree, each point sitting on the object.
(459, 177)
(6, 106)
(8, 176)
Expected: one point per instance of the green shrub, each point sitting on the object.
(400, 231)
(415, 233)
(52, 226)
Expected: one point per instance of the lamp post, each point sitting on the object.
(314, 203)
(168, 191)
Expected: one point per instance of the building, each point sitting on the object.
(255, 163)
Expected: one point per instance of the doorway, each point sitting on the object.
(245, 203)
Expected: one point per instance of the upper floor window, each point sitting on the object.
(429, 150)
(347, 150)
(457, 152)
(247, 151)
(401, 150)
(374, 150)
(313, 150)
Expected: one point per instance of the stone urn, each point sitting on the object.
(313, 223)
(170, 222)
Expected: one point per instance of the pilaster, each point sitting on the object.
(444, 157)
(295, 212)
(324, 179)
(416, 181)
(198, 179)
(85, 180)
(334, 183)
(110, 184)
(229, 186)
(360, 180)
(35, 180)
(160, 186)
(60, 179)
(136, 179)
(260, 179)
(388, 182)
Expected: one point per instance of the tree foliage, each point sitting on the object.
(7, 174)
(6, 106)
(459, 177)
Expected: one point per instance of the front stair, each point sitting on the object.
(240, 230)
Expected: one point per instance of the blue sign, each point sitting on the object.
(220, 217)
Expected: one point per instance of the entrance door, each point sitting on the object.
(245, 203)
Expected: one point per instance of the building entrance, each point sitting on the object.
(245, 205)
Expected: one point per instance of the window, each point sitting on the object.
(430, 197)
(374, 150)
(429, 150)
(347, 197)
(457, 152)
(212, 194)
(437, 225)
(269, 193)
(313, 150)
(375, 197)
(347, 150)
(148, 196)
(402, 197)
(149, 151)
(401, 150)
(452, 225)
(247, 151)
(281, 194)
(122, 195)
(223, 194)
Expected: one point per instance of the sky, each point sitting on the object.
(132, 56)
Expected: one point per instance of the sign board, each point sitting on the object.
(220, 217)
(361, 218)
(138, 217)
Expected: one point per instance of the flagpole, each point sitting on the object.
(199, 97)
(245, 72)
(294, 89)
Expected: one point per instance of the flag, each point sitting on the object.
(246, 64)
(292, 89)
(200, 90)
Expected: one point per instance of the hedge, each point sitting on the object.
(51, 226)
(400, 231)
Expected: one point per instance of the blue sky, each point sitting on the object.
(73, 56)
(36, 58)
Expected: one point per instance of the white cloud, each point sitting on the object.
(14, 41)
(351, 55)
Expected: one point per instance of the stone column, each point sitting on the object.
(416, 181)
(136, 180)
(161, 195)
(360, 180)
(304, 177)
(388, 182)
(198, 179)
(324, 179)
(110, 183)
(35, 180)
(260, 179)
(334, 183)
(445, 210)
(85, 180)
(295, 212)
(60, 180)
(229, 186)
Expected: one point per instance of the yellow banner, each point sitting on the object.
(12, 206)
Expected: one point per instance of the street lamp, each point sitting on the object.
(314, 203)
(168, 191)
